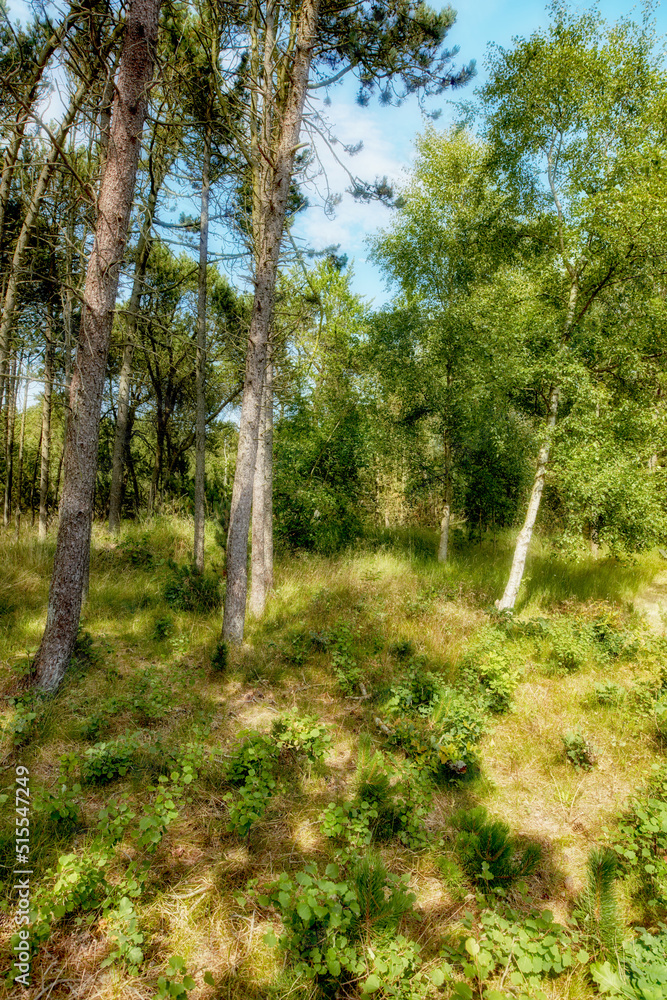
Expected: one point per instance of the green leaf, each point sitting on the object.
(371, 985)
(437, 977)
(208, 979)
(582, 956)
(472, 947)
(463, 990)
(270, 939)
(608, 981)
(304, 911)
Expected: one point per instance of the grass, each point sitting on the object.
(147, 676)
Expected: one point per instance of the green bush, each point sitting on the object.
(329, 919)
(569, 647)
(578, 750)
(489, 666)
(640, 841)
(188, 590)
(104, 762)
(488, 852)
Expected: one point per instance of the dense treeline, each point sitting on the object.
(517, 373)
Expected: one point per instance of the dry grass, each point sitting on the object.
(195, 907)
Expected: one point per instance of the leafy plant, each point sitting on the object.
(578, 750)
(528, 947)
(149, 698)
(569, 647)
(177, 983)
(124, 931)
(608, 693)
(163, 627)
(487, 851)
(106, 761)
(188, 590)
(640, 841)
(325, 917)
(490, 666)
(345, 667)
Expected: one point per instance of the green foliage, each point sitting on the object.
(649, 699)
(23, 724)
(104, 762)
(260, 761)
(149, 698)
(487, 851)
(640, 841)
(325, 917)
(343, 660)
(390, 802)
(220, 657)
(137, 551)
(489, 665)
(85, 654)
(123, 930)
(596, 911)
(608, 693)
(163, 627)
(188, 590)
(61, 806)
(578, 750)
(527, 947)
(569, 647)
(177, 983)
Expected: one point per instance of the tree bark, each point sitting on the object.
(11, 291)
(508, 599)
(125, 380)
(200, 436)
(271, 212)
(46, 429)
(262, 505)
(114, 206)
(9, 439)
(19, 491)
(443, 548)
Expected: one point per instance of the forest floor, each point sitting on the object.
(388, 790)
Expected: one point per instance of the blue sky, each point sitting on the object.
(388, 133)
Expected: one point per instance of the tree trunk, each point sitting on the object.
(271, 210)
(46, 429)
(443, 548)
(125, 380)
(114, 206)
(19, 491)
(9, 301)
(200, 439)
(523, 541)
(11, 153)
(262, 505)
(9, 440)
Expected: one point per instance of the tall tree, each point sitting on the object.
(113, 214)
(395, 43)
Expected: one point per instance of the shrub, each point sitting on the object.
(490, 666)
(488, 852)
(569, 648)
(608, 693)
(107, 761)
(149, 697)
(442, 742)
(188, 590)
(640, 841)
(325, 917)
(220, 657)
(578, 750)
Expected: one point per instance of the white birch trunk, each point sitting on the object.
(508, 599)
(444, 535)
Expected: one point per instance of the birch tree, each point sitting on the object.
(567, 116)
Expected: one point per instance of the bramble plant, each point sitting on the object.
(578, 750)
